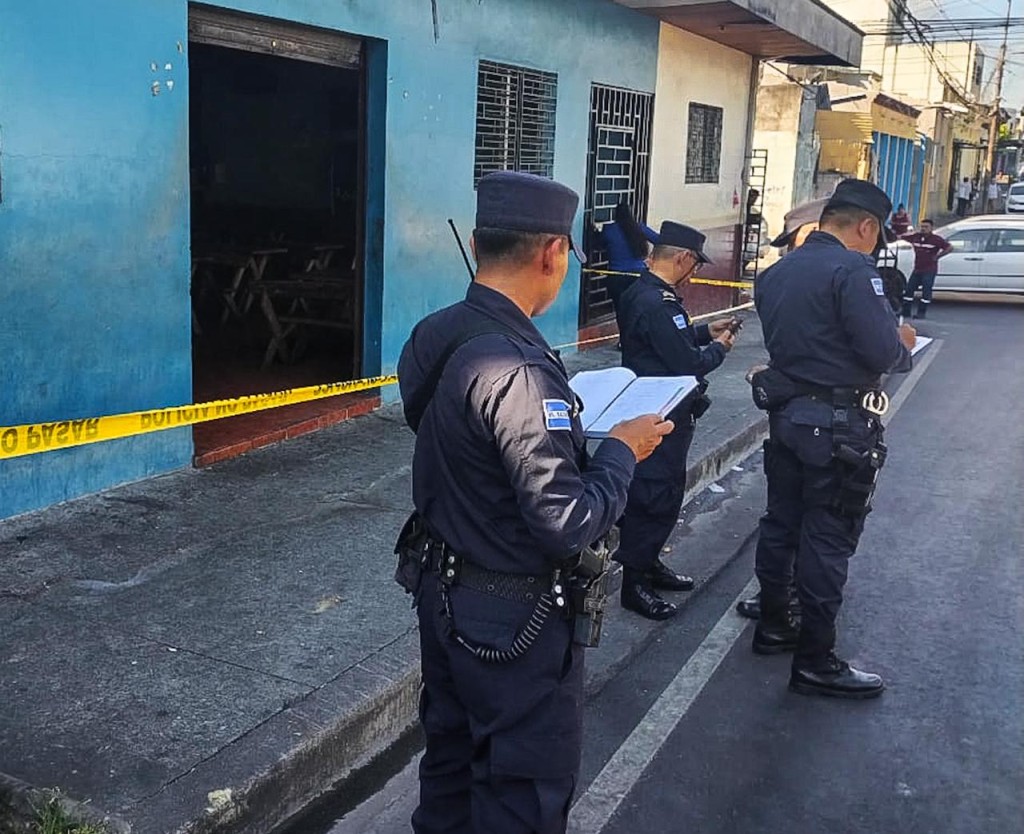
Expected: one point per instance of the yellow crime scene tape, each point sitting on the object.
(32, 439)
(710, 282)
(35, 438)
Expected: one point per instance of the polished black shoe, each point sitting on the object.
(836, 679)
(751, 608)
(665, 579)
(777, 638)
(639, 595)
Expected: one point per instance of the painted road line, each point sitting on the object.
(596, 806)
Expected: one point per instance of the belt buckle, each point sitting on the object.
(875, 402)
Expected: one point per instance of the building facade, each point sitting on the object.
(168, 170)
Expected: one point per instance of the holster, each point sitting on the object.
(859, 467)
(588, 589)
(413, 551)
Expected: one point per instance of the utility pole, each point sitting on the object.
(993, 128)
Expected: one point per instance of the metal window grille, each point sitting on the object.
(618, 164)
(515, 120)
(703, 143)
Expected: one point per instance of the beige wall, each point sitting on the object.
(776, 129)
(692, 69)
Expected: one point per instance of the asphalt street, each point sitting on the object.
(699, 734)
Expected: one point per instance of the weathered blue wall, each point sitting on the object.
(94, 237)
(94, 273)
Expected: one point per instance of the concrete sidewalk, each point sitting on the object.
(211, 650)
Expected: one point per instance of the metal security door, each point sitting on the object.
(618, 163)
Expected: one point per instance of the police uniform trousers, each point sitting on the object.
(655, 498)
(503, 740)
(802, 525)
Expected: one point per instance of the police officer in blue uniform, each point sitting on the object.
(658, 339)
(830, 336)
(507, 500)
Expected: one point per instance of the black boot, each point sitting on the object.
(665, 579)
(922, 310)
(907, 308)
(776, 631)
(834, 678)
(638, 595)
(751, 608)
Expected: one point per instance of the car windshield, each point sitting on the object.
(1017, 188)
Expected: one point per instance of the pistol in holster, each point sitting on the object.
(413, 550)
(860, 477)
(588, 588)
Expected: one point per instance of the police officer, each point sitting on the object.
(830, 336)
(798, 223)
(509, 499)
(658, 339)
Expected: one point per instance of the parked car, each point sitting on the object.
(1015, 199)
(987, 256)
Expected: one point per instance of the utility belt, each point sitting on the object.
(771, 389)
(577, 591)
(859, 462)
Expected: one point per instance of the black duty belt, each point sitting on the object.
(872, 400)
(517, 587)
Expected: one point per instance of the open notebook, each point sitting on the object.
(921, 343)
(616, 394)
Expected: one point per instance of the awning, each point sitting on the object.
(796, 31)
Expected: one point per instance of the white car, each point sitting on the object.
(987, 256)
(1015, 199)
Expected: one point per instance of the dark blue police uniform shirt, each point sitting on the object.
(658, 338)
(825, 317)
(500, 470)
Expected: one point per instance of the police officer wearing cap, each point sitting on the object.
(798, 223)
(830, 335)
(658, 339)
(507, 500)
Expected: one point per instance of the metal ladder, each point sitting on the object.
(750, 251)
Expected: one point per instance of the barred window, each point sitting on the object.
(703, 143)
(515, 120)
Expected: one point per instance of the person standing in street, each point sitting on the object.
(830, 336)
(928, 249)
(658, 339)
(963, 197)
(507, 505)
(900, 221)
(992, 204)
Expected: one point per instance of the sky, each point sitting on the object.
(1013, 79)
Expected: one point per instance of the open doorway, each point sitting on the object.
(277, 154)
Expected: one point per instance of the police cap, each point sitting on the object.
(798, 217)
(864, 195)
(518, 202)
(683, 237)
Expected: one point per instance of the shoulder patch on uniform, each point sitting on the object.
(681, 321)
(668, 295)
(557, 415)
(878, 285)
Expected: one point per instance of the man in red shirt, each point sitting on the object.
(928, 248)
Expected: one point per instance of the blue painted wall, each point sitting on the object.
(94, 236)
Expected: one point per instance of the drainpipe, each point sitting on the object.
(756, 70)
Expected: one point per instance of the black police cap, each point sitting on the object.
(864, 195)
(683, 237)
(518, 202)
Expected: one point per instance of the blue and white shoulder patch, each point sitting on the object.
(879, 287)
(557, 415)
(681, 321)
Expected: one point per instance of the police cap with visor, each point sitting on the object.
(516, 202)
(680, 236)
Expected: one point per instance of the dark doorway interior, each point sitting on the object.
(276, 191)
